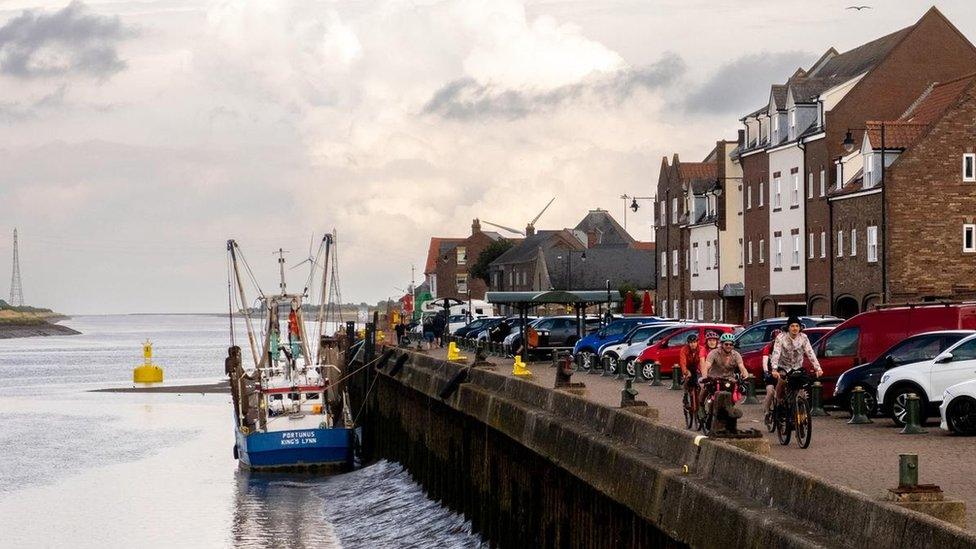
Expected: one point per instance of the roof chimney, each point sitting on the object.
(475, 227)
(529, 230)
(742, 137)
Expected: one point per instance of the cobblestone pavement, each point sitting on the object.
(862, 457)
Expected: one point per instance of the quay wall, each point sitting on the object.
(531, 466)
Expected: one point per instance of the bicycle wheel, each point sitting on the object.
(784, 427)
(769, 419)
(689, 415)
(804, 424)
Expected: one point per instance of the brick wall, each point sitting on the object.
(854, 276)
(755, 221)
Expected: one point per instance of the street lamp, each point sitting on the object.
(633, 204)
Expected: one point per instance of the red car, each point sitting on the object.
(863, 338)
(753, 359)
(666, 351)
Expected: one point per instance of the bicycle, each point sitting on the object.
(793, 413)
(713, 386)
(689, 403)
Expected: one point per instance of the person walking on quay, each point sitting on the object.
(789, 348)
(400, 330)
(439, 326)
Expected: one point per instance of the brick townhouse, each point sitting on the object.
(922, 203)
(699, 217)
(790, 147)
(449, 260)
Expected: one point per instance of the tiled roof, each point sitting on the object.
(808, 89)
(898, 134)
(647, 246)
(611, 231)
(937, 99)
(778, 92)
(438, 246)
(862, 58)
(618, 264)
(526, 250)
(690, 171)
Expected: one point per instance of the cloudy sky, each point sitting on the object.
(137, 136)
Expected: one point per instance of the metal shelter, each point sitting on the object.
(579, 299)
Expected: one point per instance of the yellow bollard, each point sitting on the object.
(453, 354)
(148, 372)
(519, 369)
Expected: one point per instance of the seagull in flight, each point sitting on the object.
(858, 8)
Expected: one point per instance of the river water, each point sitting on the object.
(84, 469)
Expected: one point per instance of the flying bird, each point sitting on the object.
(859, 8)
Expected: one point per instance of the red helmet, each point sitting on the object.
(711, 335)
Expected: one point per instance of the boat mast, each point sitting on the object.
(281, 268)
(324, 295)
(232, 248)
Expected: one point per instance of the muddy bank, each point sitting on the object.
(10, 331)
(203, 388)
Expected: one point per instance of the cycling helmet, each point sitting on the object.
(727, 338)
(711, 335)
(692, 337)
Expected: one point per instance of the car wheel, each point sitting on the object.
(961, 416)
(647, 371)
(870, 402)
(612, 363)
(629, 367)
(898, 405)
(586, 360)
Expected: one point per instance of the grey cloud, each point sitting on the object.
(743, 84)
(18, 112)
(69, 41)
(466, 98)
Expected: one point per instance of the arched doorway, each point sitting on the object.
(819, 305)
(846, 307)
(870, 301)
(767, 308)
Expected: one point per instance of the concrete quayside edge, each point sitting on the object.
(727, 498)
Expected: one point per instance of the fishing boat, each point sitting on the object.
(290, 411)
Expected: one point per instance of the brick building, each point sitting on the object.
(449, 260)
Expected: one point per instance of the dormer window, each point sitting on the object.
(793, 123)
(775, 136)
(868, 171)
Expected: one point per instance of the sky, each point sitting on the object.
(136, 137)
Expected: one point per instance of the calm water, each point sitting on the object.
(100, 469)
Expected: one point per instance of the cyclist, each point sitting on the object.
(690, 359)
(722, 363)
(789, 349)
(767, 368)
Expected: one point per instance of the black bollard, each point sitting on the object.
(675, 378)
(621, 371)
(750, 391)
(656, 381)
(605, 363)
(628, 395)
(907, 470)
(816, 400)
(858, 415)
(913, 426)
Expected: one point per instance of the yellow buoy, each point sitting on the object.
(148, 372)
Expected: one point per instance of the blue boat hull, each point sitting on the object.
(296, 448)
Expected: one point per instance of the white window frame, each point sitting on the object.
(674, 211)
(742, 252)
(461, 280)
(853, 242)
(714, 309)
(869, 170)
(810, 245)
(810, 185)
(762, 251)
(708, 255)
(694, 264)
(778, 196)
(840, 243)
(664, 308)
(675, 311)
(688, 259)
(823, 244)
(778, 255)
(839, 176)
(969, 161)
(664, 264)
(689, 309)
(795, 196)
(872, 240)
(674, 262)
(796, 250)
(462, 255)
(823, 182)
(971, 229)
(792, 133)
(749, 197)
(715, 254)
(701, 309)
(749, 257)
(762, 194)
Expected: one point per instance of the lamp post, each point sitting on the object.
(633, 204)
(849, 145)
(569, 267)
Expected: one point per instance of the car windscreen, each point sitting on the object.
(665, 332)
(619, 328)
(643, 332)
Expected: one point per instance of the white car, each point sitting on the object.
(958, 410)
(928, 379)
(611, 354)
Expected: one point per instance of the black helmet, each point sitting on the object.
(692, 337)
(794, 320)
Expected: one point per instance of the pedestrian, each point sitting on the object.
(400, 330)
(439, 327)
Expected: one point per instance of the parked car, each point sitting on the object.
(912, 349)
(475, 326)
(514, 340)
(498, 331)
(628, 357)
(610, 352)
(928, 379)
(586, 350)
(753, 359)
(863, 338)
(665, 351)
(958, 409)
(559, 331)
(760, 333)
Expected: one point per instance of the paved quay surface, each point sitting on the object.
(862, 457)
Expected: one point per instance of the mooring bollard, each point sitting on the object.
(750, 391)
(656, 381)
(907, 470)
(858, 415)
(628, 395)
(606, 367)
(816, 400)
(913, 424)
(675, 382)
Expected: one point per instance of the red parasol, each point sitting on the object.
(629, 303)
(647, 306)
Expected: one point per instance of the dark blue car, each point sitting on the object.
(587, 349)
(912, 349)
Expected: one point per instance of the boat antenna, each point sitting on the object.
(281, 268)
(324, 295)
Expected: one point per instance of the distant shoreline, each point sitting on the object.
(42, 329)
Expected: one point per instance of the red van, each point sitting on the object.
(864, 337)
(666, 351)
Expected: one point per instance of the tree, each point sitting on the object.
(489, 254)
